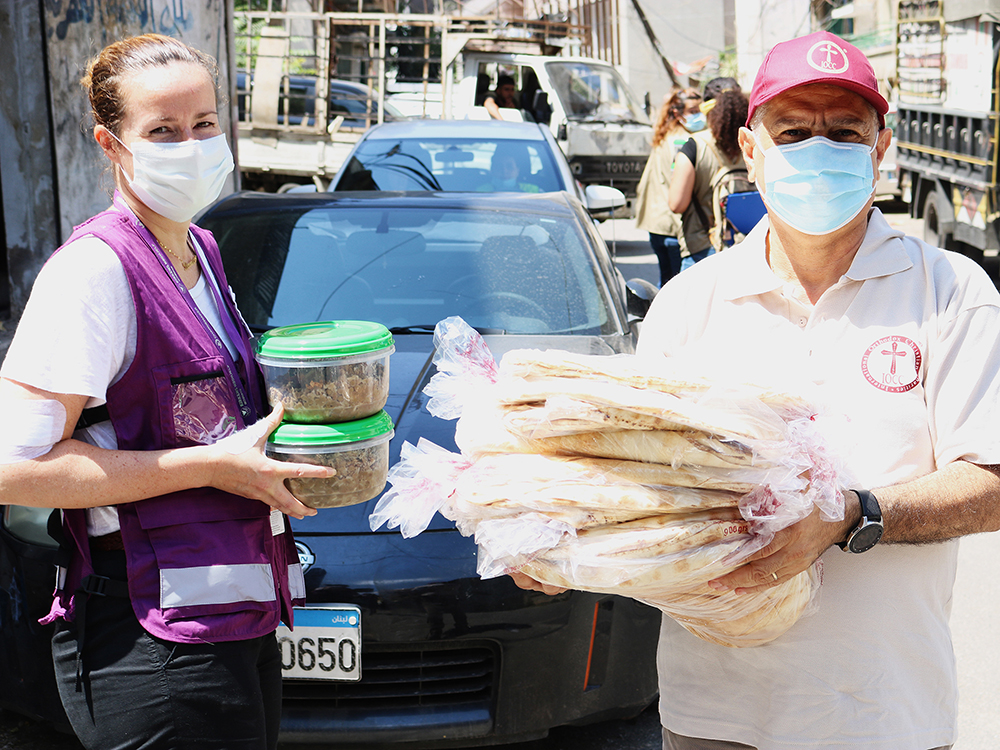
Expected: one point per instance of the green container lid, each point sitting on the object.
(291, 435)
(323, 340)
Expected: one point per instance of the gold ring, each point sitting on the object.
(774, 575)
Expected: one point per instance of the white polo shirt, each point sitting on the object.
(907, 347)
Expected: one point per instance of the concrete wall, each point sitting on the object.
(688, 31)
(762, 24)
(27, 173)
(52, 174)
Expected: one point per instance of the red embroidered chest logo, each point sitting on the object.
(892, 364)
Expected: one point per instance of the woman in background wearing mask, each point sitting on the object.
(136, 406)
(697, 163)
(677, 120)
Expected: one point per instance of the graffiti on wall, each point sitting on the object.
(76, 31)
(160, 16)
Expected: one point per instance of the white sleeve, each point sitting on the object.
(78, 330)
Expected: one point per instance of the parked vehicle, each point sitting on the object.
(947, 121)
(355, 102)
(466, 156)
(600, 125)
(434, 66)
(306, 152)
(446, 659)
(888, 187)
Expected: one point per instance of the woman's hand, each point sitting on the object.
(242, 468)
(528, 583)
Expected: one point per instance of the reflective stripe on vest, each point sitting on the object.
(296, 581)
(216, 584)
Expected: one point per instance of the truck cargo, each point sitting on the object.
(947, 122)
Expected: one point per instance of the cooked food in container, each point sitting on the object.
(334, 371)
(358, 450)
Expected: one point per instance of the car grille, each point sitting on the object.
(396, 679)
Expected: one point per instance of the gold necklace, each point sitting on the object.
(185, 264)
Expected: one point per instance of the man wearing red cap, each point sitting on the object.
(901, 339)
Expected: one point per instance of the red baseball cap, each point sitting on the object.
(820, 57)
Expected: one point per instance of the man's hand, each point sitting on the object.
(791, 551)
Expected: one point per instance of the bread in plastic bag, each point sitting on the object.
(602, 473)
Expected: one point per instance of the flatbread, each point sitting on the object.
(640, 578)
(653, 536)
(671, 447)
(629, 370)
(741, 620)
(569, 416)
(740, 415)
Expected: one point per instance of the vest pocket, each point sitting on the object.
(213, 553)
(201, 407)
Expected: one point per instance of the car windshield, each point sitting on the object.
(453, 165)
(516, 272)
(594, 92)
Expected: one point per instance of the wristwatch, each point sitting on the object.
(867, 533)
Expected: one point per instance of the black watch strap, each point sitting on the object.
(869, 530)
(869, 506)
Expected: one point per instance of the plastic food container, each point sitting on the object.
(358, 450)
(335, 371)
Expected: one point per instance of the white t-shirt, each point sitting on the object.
(905, 345)
(78, 333)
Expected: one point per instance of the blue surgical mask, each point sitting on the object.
(510, 184)
(817, 185)
(695, 122)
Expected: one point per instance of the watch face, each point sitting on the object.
(865, 538)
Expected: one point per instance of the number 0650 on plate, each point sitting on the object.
(325, 645)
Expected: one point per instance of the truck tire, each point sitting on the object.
(932, 233)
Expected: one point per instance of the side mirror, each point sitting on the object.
(647, 105)
(603, 198)
(639, 295)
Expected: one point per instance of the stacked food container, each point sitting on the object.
(333, 380)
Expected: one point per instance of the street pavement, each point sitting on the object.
(975, 615)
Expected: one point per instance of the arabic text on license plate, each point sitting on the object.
(325, 645)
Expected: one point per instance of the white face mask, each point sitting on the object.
(177, 180)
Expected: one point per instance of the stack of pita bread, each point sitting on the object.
(602, 474)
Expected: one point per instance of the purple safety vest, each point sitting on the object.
(203, 565)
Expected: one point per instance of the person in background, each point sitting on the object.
(697, 162)
(506, 174)
(482, 89)
(132, 402)
(503, 98)
(677, 119)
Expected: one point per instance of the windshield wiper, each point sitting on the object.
(423, 328)
(429, 328)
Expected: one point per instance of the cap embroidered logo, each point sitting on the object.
(828, 57)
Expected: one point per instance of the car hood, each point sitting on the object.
(410, 369)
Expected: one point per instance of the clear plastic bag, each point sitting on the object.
(569, 496)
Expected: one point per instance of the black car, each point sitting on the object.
(446, 659)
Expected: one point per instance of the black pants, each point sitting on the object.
(668, 255)
(138, 691)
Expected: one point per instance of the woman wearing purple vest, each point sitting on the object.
(132, 402)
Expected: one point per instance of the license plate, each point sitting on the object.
(325, 645)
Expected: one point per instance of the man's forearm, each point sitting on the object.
(958, 499)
